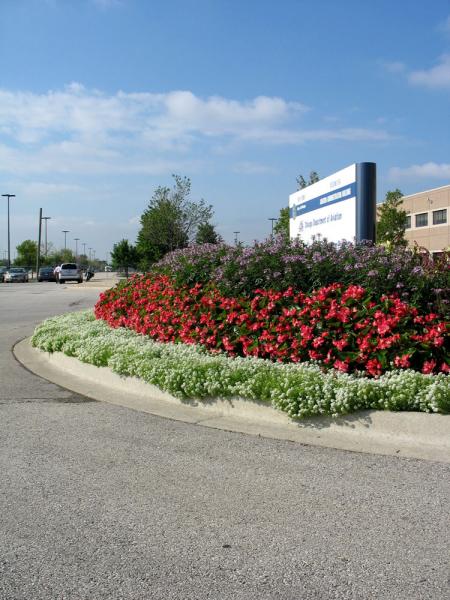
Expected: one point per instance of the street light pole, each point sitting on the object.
(236, 236)
(272, 219)
(76, 248)
(65, 232)
(46, 247)
(9, 239)
(84, 248)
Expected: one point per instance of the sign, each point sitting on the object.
(339, 207)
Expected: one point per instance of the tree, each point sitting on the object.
(206, 234)
(83, 259)
(392, 220)
(170, 221)
(26, 253)
(302, 183)
(123, 256)
(281, 227)
(57, 257)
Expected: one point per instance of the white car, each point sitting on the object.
(16, 274)
(70, 272)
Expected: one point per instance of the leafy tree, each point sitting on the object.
(206, 234)
(56, 257)
(302, 183)
(26, 253)
(124, 255)
(281, 227)
(392, 220)
(83, 259)
(170, 221)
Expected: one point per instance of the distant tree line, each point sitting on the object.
(26, 256)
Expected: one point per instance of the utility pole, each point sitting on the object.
(46, 246)
(9, 238)
(38, 254)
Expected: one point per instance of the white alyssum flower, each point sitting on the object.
(189, 371)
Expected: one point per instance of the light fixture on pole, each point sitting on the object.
(236, 236)
(65, 232)
(76, 247)
(272, 219)
(9, 239)
(46, 246)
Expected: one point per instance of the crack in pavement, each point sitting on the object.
(70, 400)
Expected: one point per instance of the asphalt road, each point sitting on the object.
(99, 501)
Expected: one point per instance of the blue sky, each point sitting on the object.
(102, 100)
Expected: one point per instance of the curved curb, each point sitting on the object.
(405, 434)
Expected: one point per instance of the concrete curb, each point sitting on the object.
(413, 435)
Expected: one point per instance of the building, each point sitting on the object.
(428, 219)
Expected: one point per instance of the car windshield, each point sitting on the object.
(69, 266)
(17, 270)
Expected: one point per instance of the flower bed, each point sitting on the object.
(345, 327)
(279, 263)
(189, 371)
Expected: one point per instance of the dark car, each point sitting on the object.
(46, 274)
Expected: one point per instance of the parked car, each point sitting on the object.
(46, 274)
(16, 274)
(70, 272)
(2, 273)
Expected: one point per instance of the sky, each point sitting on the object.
(101, 101)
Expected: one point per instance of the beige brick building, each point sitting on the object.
(429, 218)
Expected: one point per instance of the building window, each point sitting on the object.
(408, 222)
(422, 220)
(439, 216)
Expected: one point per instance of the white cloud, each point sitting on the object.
(81, 131)
(349, 134)
(429, 170)
(31, 118)
(42, 189)
(394, 66)
(435, 77)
